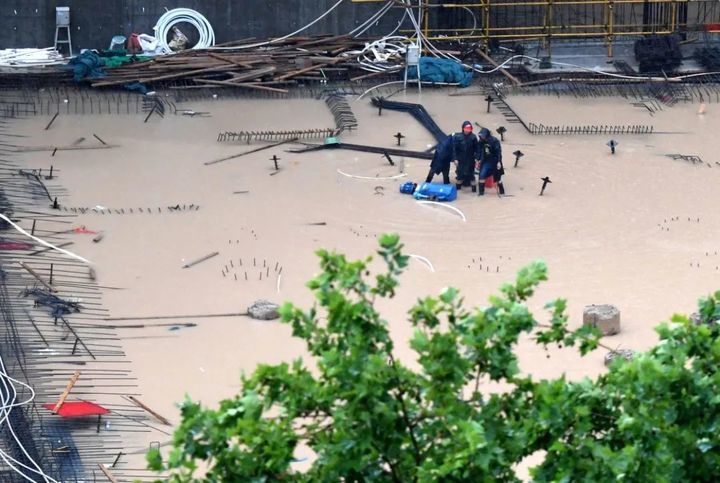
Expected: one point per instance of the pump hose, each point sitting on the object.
(179, 15)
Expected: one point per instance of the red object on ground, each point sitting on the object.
(76, 409)
(133, 45)
(11, 245)
(489, 182)
(84, 231)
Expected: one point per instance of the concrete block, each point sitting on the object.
(626, 354)
(264, 310)
(605, 317)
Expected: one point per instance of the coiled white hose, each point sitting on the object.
(179, 15)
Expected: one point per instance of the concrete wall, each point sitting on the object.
(31, 23)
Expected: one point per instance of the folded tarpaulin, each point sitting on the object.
(442, 70)
(92, 65)
(87, 65)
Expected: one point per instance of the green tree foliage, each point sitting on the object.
(366, 416)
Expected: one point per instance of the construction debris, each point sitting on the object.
(260, 66)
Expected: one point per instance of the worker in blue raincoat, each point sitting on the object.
(489, 163)
(465, 146)
(441, 160)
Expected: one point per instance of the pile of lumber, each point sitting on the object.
(272, 67)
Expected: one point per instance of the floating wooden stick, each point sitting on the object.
(66, 392)
(140, 404)
(107, 473)
(201, 259)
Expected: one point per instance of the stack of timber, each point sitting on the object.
(272, 66)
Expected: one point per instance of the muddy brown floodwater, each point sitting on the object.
(637, 229)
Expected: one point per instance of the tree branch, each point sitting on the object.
(401, 399)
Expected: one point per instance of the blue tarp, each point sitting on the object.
(442, 70)
(87, 65)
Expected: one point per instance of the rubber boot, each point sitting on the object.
(458, 186)
(472, 188)
(501, 188)
(481, 189)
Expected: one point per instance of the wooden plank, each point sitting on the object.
(176, 75)
(504, 72)
(253, 74)
(37, 277)
(66, 392)
(235, 84)
(140, 404)
(107, 473)
(201, 259)
(229, 60)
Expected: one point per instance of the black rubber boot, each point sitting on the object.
(458, 186)
(501, 188)
(481, 189)
(472, 187)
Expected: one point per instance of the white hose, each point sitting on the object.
(180, 15)
(366, 25)
(370, 177)
(43, 242)
(444, 205)
(5, 410)
(424, 260)
(273, 41)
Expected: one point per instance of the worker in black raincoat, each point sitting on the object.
(489, 157)
(465, 146)
(441, 160)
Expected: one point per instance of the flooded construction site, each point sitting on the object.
(141, 223)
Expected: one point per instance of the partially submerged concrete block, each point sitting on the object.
(605, 317)
(264, 310)
(626, 354)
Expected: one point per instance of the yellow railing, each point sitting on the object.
(547, 19)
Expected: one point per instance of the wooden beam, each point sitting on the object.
(140, 404)
(176, 75)
(107, 473)
(230, 61)
(249, 85)
(37, 277)
(66, 392)
(253, 74)
(504, 72)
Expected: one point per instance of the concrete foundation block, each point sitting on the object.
(605, 317)
(264, 310)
